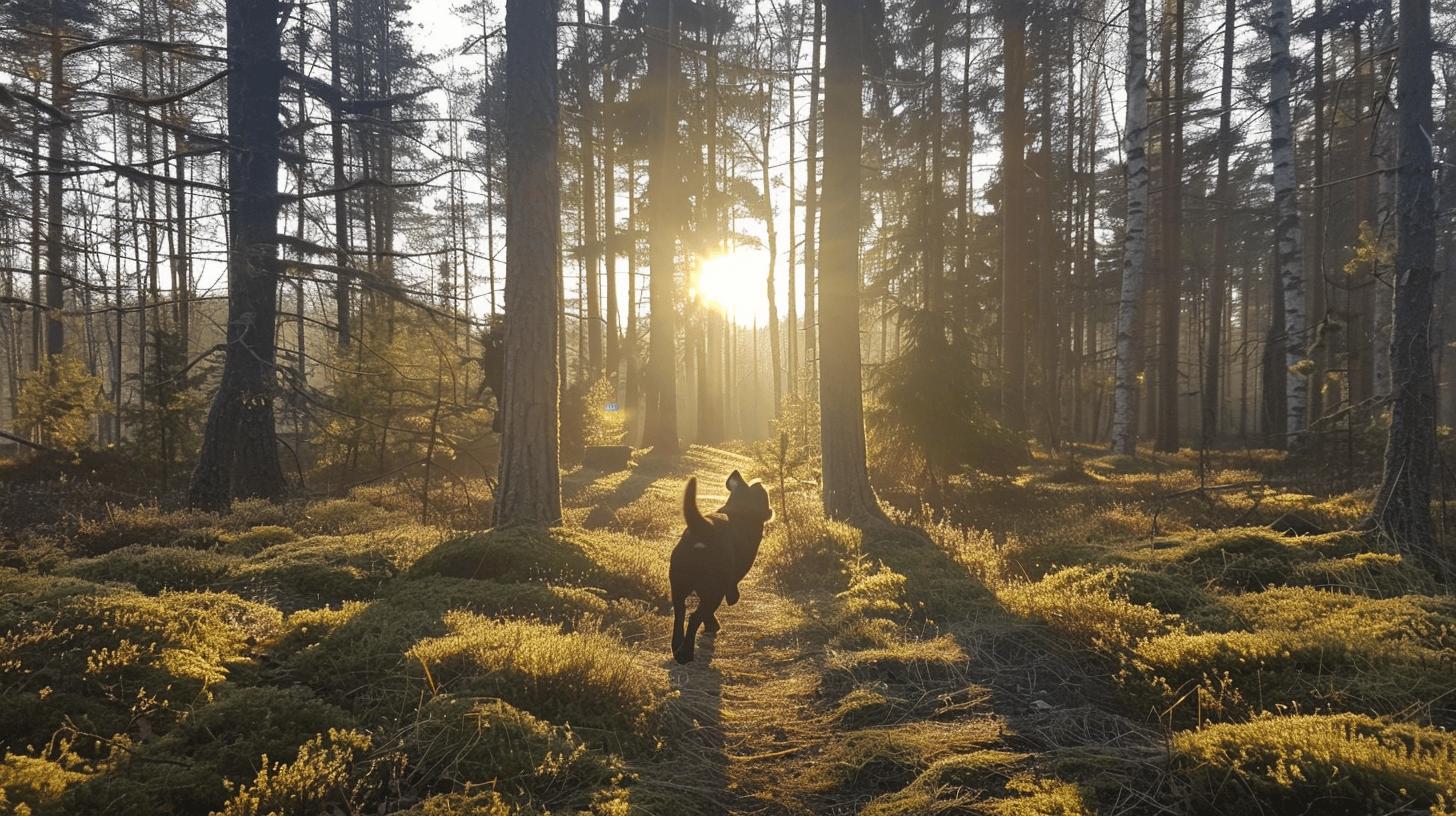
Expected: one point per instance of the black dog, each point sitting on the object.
(713, 555)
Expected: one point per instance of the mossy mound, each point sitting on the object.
(459, 743)
(105, 659)
(154, 569)
(615, 563)
(322, 570)
(145, 525)
(1329, 764)
(356, 653)
(187, 769)
(1244, 558)
(585, 678)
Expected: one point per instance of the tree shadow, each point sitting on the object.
(1050, 695)
(635, 486)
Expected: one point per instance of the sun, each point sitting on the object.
(735, 285)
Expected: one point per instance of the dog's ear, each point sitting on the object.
(735, 482)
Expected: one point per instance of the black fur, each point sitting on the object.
(713, 555)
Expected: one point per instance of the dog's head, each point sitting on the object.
(747, 501)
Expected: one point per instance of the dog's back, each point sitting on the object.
(704, 558)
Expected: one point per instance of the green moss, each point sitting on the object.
(585, 678)
(188, 769)
(1329, 764)
(457, 743)
(145, 525)
(1244, 558)
(322, 570)
(612, 562)
(356, 654)
(1310, 649)
(154, 569)
(104, 657)
(256, 539)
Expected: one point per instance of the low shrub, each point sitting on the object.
(808, 553)
(334, 772)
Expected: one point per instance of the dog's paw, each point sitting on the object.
(683, 656)
(732, 596)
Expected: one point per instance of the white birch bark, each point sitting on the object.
(1135, 240)
(1286, 205)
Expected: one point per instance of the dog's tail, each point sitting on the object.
(697, 525)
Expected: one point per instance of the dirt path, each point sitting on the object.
(758, 705)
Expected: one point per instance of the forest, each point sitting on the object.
(1069, 377)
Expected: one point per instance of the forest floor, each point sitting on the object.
(1165, 634)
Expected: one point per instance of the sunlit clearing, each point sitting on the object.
(735, 284)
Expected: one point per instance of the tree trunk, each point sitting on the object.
(811, 202)
(55, 226)
(609, 195)
(239, 456)
(847, 492)
(1172, 235)
(1386, 157)
(530, 476)
(1134, 253)
(342, 258)
(1013, 221)
(1286, 205)
(659, 430)
(1213, 346)
(591, 247)
(1402, 508)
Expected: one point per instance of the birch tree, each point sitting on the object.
(1135, 241)
(1288, 231)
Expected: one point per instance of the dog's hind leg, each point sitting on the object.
(679, 612)
(707, 605)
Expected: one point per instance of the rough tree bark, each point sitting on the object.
(1172, 232)
(591, 248)
(847, 492)
(530, 475)
(1402, 508)
(239, 457)
(1013, 220)
(1213, 346)
(1289, 231)
(659, 422)
(1134, 252)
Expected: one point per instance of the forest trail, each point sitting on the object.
(787, 712)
